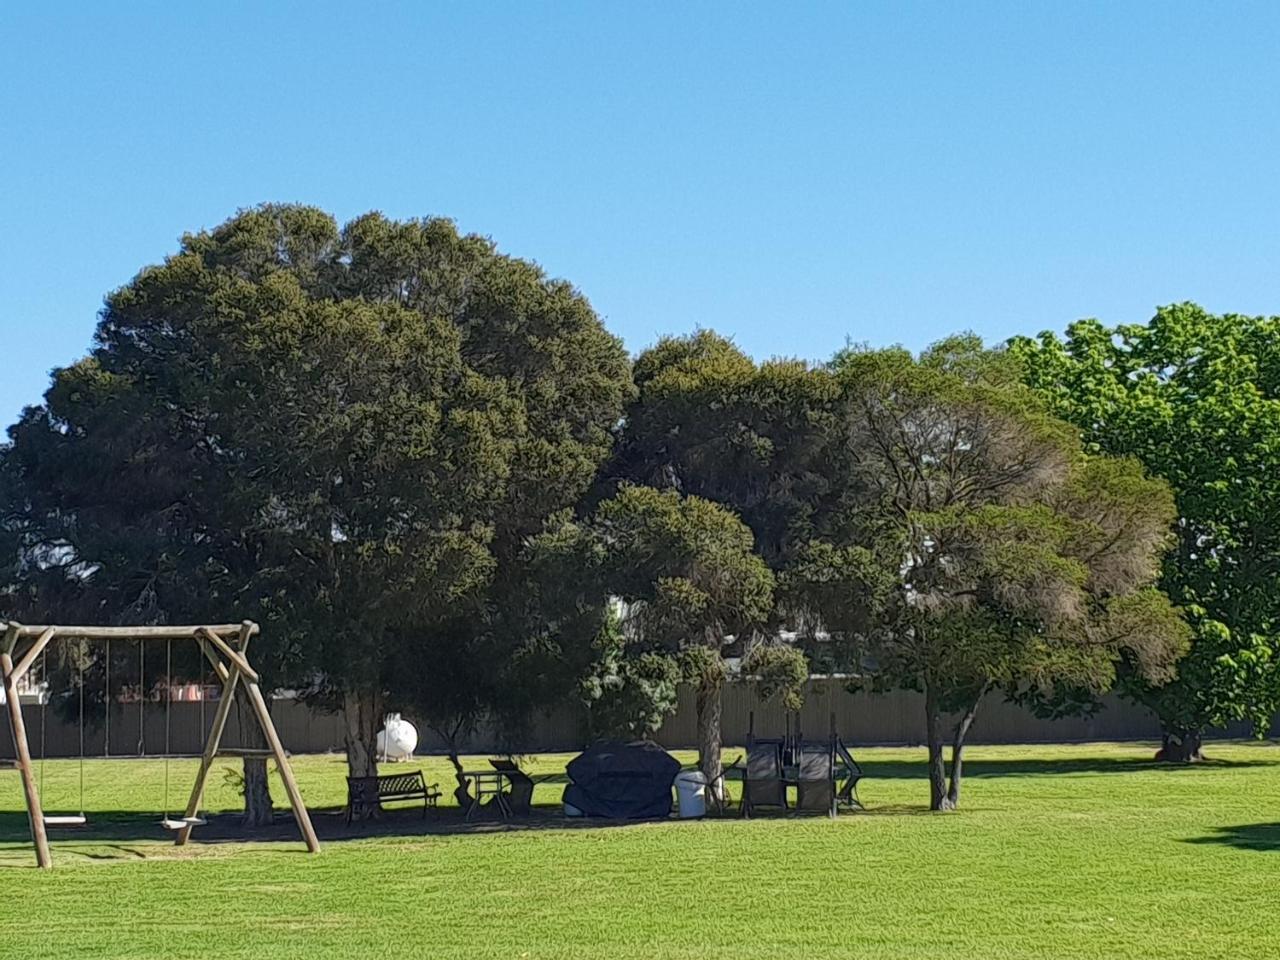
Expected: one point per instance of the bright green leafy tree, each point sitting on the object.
(1196, 397)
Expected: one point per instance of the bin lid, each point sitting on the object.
(691, 776)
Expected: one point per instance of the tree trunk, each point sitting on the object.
(360, 712)
(461, 792)
(258, 810)
(709, 733)
(957, 752)
(1180, 746)
(938, 796)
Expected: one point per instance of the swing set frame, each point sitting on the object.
(225, 646)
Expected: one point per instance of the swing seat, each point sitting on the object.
(70, 820)
(181, 823)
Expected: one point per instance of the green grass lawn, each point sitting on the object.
(1074, 851)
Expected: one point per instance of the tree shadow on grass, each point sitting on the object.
(1246, 836)
(113, 829)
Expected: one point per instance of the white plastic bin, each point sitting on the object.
(691, 793)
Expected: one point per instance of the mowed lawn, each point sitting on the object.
(1064, 851)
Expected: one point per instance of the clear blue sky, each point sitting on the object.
(789, 176)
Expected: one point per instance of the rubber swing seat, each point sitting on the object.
(181, 823)
(66, 821)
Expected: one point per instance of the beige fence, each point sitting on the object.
(890, 718)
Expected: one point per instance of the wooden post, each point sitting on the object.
(282, 762)
(34, 811)
(260, 710)
(234, 656)
(29, 657)
(218, 667)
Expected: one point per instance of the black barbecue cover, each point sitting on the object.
(622, 781)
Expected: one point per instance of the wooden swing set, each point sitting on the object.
(225, 646)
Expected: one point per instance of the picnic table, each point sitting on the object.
(486, 784)
(505, 786)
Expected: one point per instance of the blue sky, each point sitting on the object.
(791, 175)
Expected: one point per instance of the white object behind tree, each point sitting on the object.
(397, 739)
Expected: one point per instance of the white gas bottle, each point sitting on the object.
(397, 739)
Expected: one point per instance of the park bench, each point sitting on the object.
(369, 793)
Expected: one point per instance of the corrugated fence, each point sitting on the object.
(891, 718)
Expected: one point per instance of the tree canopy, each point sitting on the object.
(441, 484)
(349, 431)
(710, 422)
(691, 584)
(973, 546)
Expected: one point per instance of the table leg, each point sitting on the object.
(475, 800)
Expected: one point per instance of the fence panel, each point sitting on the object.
(861, 718)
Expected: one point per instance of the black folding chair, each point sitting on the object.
(816, 777)
(763, 780)
(848, 775)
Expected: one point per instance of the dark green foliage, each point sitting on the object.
(348, 433)
(711, 423)
(628, 693)
(779, 672)
(690, 583)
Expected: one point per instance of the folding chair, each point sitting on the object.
(816, 777)
(849, 774)
(763, 783)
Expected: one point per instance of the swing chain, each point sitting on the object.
(106, 697)
(168, 710)
(44, 708)
(142, 695)
(84, 652)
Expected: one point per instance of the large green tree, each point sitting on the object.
(347, 432)
(710, 422)
(1196, 397)
(690, 583)
(971, 546)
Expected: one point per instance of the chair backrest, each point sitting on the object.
(764, 760)
(515, 776)
(815, 761)
(816, 776)
(520, 796)
(762, 782)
